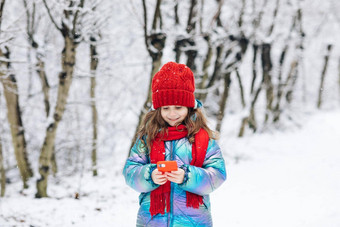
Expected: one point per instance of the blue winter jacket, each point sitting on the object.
(201, 181)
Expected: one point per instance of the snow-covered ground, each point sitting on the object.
(288, 179)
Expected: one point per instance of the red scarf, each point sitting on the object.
(160, 197)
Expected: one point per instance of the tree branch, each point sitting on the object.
(2, 4)
(145, 26)
(216, 17)
(274, 18)
(192, 14)
(51, 17)
(156, 15)
(81, 5)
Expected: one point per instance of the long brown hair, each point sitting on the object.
(153, 123)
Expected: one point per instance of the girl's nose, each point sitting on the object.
(173, 113)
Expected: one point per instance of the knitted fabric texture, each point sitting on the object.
(160, 197)
(174, 84)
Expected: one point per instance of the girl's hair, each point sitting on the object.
(153, 123)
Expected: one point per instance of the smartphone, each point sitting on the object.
(167, 166)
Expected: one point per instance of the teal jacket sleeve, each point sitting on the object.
(137, 170)
(203, 180)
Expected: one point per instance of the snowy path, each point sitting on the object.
(289, 180)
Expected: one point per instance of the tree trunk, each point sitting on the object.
(191, 51)
(291, 80)
(65, 79)
(11, 94)
(93, 65)
(291, 74)
(203, 83)
(280, 86)
(267, 74)
(44, 82)
(250, 120)
(177, 50)
(323, 75)
(255, 48)
(40, 64)
(176, 13)
(54, 165)
(2, 5)
(157, 16)
(217, 66)
(241, 87)
(191, 55)
(191, 25)
(2, 172)
(223, 103)
(188, 42)
(40, 68)
(216, 72)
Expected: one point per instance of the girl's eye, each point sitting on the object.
(165, 108)
(178, 107)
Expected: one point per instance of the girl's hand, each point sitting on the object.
(176, 176)
(158, 177)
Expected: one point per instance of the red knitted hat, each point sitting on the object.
(174, 84)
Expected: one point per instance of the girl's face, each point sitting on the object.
(174, 115)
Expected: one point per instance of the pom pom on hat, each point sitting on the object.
(174, 84)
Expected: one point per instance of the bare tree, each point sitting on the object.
(231, 61)
(323, 75)
(191, 47)
(32, 23)
(241, 87)
(205, 81)
(286, 87)
(155, 43)
(298, 60)
(2, 5)
(229, 54)
(93, 67)
(206, 63)
(263, 50)
(186, 42)
(11, 94)
(31, 27)
(2, 168)
(70, 30)
(94, 37)
(267, 76)
(2, 172)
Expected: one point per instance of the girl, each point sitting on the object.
(175, 129)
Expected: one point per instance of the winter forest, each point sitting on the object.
(75, 79)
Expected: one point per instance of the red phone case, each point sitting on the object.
(167, 166)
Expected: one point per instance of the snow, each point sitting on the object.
(288, 179)
(283, 178)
